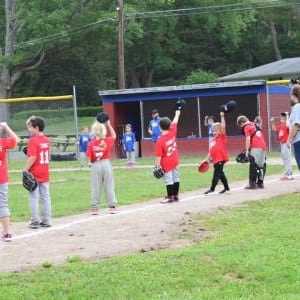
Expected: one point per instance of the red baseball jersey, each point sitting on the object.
(217, 148)
(282, 133)
(39, 146)
(96, 152)
(166, 148)
(257, 138)
(5, 144)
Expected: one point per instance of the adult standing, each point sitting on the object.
(154, 129)
(294, 123)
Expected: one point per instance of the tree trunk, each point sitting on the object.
(134, 79)
(149, 77)
(274, 40)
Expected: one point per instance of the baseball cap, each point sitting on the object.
(154, 111)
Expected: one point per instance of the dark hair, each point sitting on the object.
(213, 118)
(165, 123)
(296, 91)
(284, 114)
(37, 122)
(154, 111)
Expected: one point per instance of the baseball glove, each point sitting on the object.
(25, 150)
(158, 171)
(242, 158)
(29, 181)
(180, 103)
(102, 117)
(203, 167)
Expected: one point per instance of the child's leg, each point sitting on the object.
(46, 203)
(34, 204)
(109, 183)
(96, 185)
(218, 169)
(4, 210)
(287, 159)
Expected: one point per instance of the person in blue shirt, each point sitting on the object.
(208, 122)
(83, 141)
(153, 129)
(128, 141)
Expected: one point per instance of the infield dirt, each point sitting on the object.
(148, 226)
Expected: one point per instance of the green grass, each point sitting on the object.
(253, 255)
(131, 185)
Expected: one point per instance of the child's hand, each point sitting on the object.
(272, 119)
(221, 113)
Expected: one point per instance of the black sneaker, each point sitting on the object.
(209, 192)
(44, 225)
(34, 225)
(225, 191)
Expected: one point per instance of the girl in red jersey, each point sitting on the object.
(98, 152)
(166, 155)
(38, 155)
(6, 143)
(218, 154)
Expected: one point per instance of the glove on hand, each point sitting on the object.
(29, 181)
(102, 117)
(180, 103)
(158, 171)
(242, 158)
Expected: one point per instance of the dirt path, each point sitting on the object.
(148, 226)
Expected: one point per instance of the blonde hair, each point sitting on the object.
(99, 131)
(217, 126)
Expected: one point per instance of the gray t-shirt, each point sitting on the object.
(295, 119)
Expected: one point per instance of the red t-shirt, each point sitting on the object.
(5, 143)
(217, 148)
(166, 148)
(96, 152)
(282, 133)
(257, 138)
(39, 146)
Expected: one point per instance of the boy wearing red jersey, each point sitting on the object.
(282, 131)
(255, 150)
(6, 143)
(38, 154)
(166, 155)
(218, 154)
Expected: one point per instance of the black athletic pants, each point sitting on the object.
(219, 175)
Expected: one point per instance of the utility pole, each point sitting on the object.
(121, 44)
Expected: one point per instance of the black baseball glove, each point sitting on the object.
(102, 117)
(180, 103)
(158, 171)
(29, 181)
(242, 158)
(25, 150)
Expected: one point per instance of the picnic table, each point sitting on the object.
(60, 141)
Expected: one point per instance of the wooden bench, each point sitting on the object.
(60, 142)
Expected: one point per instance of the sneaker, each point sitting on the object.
(290, 177)
(250, 187)
(225, 191)
(44, 224)
(113, 210)
(260, 186)
(166, 200)
(209, 192)
(175, 198)
(34, 225)
(95, 211)
(6, 237)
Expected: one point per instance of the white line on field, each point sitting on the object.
(36, 232)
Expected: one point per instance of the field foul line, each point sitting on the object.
(96, 218)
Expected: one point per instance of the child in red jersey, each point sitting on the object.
(6, 143)
(98, 152)
(218, 154)
(166, 155)
(282, 131)
(255, 146)
(38, 154)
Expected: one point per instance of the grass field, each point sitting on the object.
(252, 255)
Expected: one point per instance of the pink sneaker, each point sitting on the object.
(95, 211)
(287, 177)
(6, 237)
(166, 200)
(113, 210)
